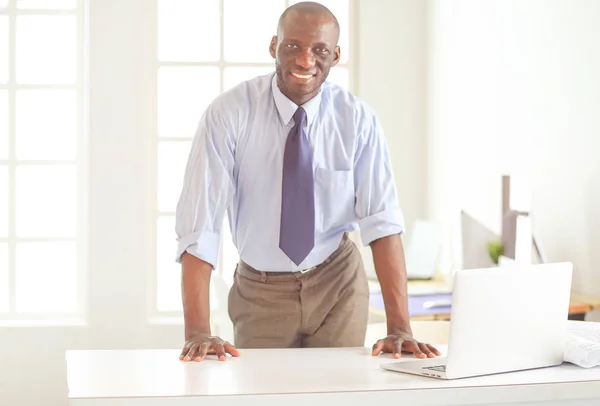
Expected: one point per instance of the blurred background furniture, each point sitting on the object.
(435, 332)
(438, 291)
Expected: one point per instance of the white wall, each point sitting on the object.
(392, 79)
(514, 88)
(392, 76)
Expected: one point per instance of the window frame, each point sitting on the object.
(12, 240)
(351, 65)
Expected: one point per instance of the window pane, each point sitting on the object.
(188, 30)
(3, 278)
(45, 124)
(3, 49)
(248, 39)
(339, 76)
(46, 4)
(46, 49)
(183, 95)
(3, 124)
(46, 278)
(236, 75)
(3, 3)
(172, 158)
(45, 201)
(341, 10)
(3, 201)
(168, 273)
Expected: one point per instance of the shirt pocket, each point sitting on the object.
(334, 199)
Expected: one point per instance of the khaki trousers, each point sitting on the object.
(325, 307)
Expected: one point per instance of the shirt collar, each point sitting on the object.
(287, 108)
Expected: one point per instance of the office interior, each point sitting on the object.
(98, 105)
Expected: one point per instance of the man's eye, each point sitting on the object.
(292, 46)
(322, 50)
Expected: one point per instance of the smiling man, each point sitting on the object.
(301, 27)
(296, 163)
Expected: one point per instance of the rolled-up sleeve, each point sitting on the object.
(377, 208)
(207, 189)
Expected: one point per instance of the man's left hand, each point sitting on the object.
(404, 342)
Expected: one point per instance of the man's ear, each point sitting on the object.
(273, 47)
(336, 55)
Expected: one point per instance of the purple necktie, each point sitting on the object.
(297, 232)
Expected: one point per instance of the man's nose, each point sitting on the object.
(305, 59)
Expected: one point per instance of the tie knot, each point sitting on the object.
(299, 116)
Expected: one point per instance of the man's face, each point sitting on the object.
(305, 49)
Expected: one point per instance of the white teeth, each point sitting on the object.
(302, 76)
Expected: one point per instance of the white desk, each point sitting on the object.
(290, 377)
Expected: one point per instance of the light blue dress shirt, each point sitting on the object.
(235, 166)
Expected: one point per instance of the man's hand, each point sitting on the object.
(197, 347)
(404, 342)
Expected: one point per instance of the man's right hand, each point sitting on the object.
(197, 347)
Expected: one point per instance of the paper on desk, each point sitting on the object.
(583, 344)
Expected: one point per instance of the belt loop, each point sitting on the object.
(263, 276)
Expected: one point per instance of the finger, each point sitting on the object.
(425, 349)
(398, 348)
(411, 346)
(191, 353)
(202, 350)
(377, 347)
(184, 352)
(220, 351)
(230, 349)
(433, 349)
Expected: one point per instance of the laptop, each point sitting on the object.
(502, 320)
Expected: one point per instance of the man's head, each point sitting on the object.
(305, 48)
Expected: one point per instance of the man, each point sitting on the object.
(297, 163)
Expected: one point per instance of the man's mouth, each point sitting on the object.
(302, 77)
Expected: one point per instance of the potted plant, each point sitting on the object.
(495, 249)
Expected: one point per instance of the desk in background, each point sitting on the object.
(437, 289)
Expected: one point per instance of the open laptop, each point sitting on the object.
(502, 320)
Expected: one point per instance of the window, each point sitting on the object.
(204, 48)
(40, 159)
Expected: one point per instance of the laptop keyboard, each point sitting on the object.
(439, 368)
